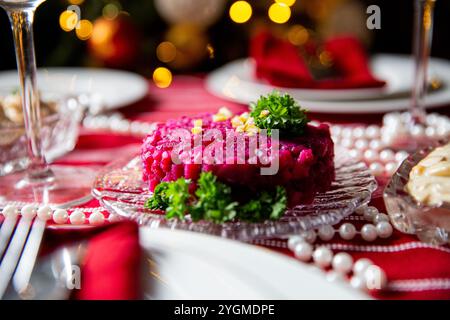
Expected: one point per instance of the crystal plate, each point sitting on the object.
(430, 223)
(120, 189)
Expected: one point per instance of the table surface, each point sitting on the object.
(415, 270)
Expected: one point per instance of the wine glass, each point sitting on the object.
(423, 32)
(416, 116)
(41, 183)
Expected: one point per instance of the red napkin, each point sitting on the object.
(280, 63)
(111, 266)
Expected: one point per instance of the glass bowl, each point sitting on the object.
(120, 189)
(59, 135)
(431, 224)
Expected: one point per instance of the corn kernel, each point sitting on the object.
(196, 130)
(244, 116)
(219, 117)
(237, 121)
(198, 123)
(225, 112)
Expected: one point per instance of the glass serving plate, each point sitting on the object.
(120, 189)
(430, 223)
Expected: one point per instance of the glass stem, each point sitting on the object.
(22, 27)
(423, 31)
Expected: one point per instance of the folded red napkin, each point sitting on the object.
(280, 63)
(111, 266)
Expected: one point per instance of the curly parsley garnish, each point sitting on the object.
(268, 205)
(213, 201)
(279, 111)
(172, 197)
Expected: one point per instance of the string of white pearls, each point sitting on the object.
(371, 143)
(116, 122)
(58, 216)
(397, 125)
(375, 152)
(342, 263)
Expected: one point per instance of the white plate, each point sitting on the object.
(185, 265)
(235, 82)
(110, 88)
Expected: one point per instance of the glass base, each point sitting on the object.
(71, 186)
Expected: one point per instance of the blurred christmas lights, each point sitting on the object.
(298, 35)
(68, 20)
(84, 31)
(240, 11)
(111, 11)
(289, 3)
(279, 12)
(166, 51)
(162, 77)
(76, 2)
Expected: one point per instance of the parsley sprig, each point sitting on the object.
(279, 111)
(213, 201)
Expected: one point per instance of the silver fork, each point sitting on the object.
(22, 246)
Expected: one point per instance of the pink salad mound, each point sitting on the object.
(305, 163)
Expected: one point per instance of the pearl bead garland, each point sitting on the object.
(115, 122)
(322, 256)
(59, 216)
(342, 262)
(369, 232)
(77, 217)
(371, 143)
(347, 231)
(303, 251)
(365, 274)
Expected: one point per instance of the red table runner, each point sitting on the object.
(415, 270)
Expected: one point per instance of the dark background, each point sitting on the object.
(58, 48)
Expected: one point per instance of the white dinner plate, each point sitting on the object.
(236, 82)
(111, 89)
(186, 265)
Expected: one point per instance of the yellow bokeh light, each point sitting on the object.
(279, 13)
(76, 2)
(110, 11)
(166, 51)
(298, 35)
(68, 20)
(326, 58)
(289, 3)
(210, 50)
(240, 11)
(162, 77)
(84, 30)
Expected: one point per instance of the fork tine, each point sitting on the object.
(5, 232)
(12, 255)
(25, 267)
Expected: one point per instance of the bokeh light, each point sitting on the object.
(110, 11)
(76, 2)
(162, 77)
(166, 51)
(298, 35)
(289, 3)
(326, 59)
(240, 11)
(84, 30)
(210, 50)
(279, 13)
(68, 20)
